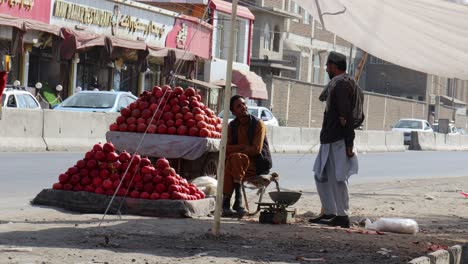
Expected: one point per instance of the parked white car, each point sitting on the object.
(261, 112)
(408, 125)
(452, 129)
(15, 98)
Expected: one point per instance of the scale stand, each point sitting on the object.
(274, 213)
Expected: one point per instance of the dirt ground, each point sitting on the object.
(50, 235)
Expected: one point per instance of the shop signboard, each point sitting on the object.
(190, 35)
(31, 9)
(113, 18)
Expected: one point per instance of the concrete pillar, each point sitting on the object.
(287, 104)
(311, 65)
(73, 74)
(385, 114)
(367, 111)
(141, 83)
(311, 94)
(24, 72)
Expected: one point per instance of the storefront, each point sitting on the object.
(26, 35)
(120, 31)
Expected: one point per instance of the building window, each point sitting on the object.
(375, 60)
(295, 9)
(306, 17)
(276, 39)
(266, 37)
(221, 35)
(242, 40)
(222, 38)
(316, 69)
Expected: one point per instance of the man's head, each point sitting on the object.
(336, 64)
(237, 106)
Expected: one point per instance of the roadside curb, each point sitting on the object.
(451, 256)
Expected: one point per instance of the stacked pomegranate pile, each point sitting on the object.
(178, 112)
(102, 170)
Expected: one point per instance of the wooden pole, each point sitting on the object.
(222, 147)
(360, 67)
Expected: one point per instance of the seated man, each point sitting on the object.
(247, 154)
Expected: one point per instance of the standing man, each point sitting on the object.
(247, 154)
(336, 161)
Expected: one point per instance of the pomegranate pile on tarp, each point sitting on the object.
(176, 112)
(102, 170)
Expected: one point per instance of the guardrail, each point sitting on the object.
(52, 130)
(437, 141)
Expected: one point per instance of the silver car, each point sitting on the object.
(20, 99)
(97, 101)
(260, 112)
(408, 125)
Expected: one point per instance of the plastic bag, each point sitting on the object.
(206, 184)
(394, 225)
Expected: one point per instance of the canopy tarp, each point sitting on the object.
(430, 36)
(249, 84)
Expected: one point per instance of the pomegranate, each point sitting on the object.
(124, 156)
(182, 130)
(97, 147)
(145, 162)
(162, 163)
(172, 131)
(154, 196)
(63, 178)
(81, 164)
(125, 112)
(100, 155)
(112, 157)
(123, 128)
(162, 129)
(120, 120)
(193, 131)
(114, 127)
(189, 92)
(91, 164)
(107, 184)
(144, 195)
(178, 90)
(165, 196)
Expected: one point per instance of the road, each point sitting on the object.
(25, 174)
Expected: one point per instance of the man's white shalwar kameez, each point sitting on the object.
(332, 170)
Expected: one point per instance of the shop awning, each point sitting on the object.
(249, 84)
(6, 20)
(160, 52)
(226, 7)
(76, 40)
(40, 26)
(125, 43)
(82, 39)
